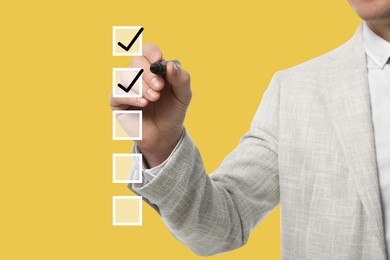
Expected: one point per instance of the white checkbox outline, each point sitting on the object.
(115, 83)
(126, 112)
(130, 155)
(115, 42)
(114, 223)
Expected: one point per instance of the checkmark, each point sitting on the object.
(127, 48)
(132, 82)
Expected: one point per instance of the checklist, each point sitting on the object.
(127, 125)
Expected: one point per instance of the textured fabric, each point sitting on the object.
(149, 173)
(310, 147)
(378, 53)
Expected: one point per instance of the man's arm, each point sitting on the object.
(216, 213)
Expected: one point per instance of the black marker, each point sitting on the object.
(160, 67)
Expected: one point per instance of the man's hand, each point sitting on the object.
(164, 103)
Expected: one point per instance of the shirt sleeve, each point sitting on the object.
(216, 212)
(151, 173)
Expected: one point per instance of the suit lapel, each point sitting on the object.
(349, 105)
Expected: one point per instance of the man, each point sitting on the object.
(319, 144)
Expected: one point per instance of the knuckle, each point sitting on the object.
(145, 93)
(186, 76)
(148, 45)
(152, 52)
(147, 75)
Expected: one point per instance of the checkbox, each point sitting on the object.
(121, 166)
(127, 125)
(127, 82)
(127, 211)
(127, 40)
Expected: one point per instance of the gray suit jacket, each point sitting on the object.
(310, 148)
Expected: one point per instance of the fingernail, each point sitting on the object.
(152, 93)
(142, 101)
(155, 82)
(175, 69)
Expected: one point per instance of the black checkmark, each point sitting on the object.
(132, 82)
(127, 48)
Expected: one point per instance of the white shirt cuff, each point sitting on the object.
(151, 173)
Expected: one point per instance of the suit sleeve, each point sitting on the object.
(215, 213)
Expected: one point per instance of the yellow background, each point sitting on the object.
(56, 141)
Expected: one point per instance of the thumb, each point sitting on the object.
(180, 81)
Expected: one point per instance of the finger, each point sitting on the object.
(181, 82)
(149, 93)
(129, 123)
(152, 83)
(125, 79)
(151, 52)
(130, 94)
(133, 94)
(121, 102)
